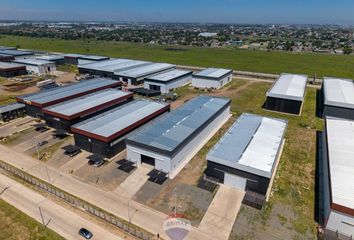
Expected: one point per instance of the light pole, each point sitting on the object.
(35, 142)
(130, 215)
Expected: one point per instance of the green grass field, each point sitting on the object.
(245, 60)
(17, 225)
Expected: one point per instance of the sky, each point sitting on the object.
(211, 11)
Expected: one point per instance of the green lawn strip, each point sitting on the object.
(17, 225)
(22, 181)
(237, 59)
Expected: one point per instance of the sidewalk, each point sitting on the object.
(144, 217)
(61, 220)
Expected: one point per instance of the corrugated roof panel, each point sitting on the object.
(15, 52)
(340, 142)
(168, 76)
(10, 107)
(81, 104)
(250, 145)
(213, 72)
(119, 118)
(339, 92)
(5, 65)
(168, 132)
(145, 70)
(289, 86)
(33, 61)
(62, 92)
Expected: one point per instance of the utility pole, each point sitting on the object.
(35, 141)
(175, 198)
(40, 212)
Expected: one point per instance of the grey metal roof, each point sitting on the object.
(77, 105)
(213, 73)
(5, 56)
(145, 70)
(120, 118)
(338, 92)
(62, 92)
(7, 48)
(11, 107)
(33, 62)
(289, 86)
(250, 145)
(169, 76)
(113, 65)
(50, 57)
(7, 65)
(340, 142)
(174, 130)
(15, 52)
(88, 57)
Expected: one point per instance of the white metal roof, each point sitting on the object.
(113, 65)
(213, 73)
(119, 118)
(50, 57)
(33, 61)
(168, 76)
(7, 65)
(145, 70)
(338, 92)
(289, 86)
(340, 142)
(83, 103)
(250, 145)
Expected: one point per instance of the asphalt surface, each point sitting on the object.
(58, 218)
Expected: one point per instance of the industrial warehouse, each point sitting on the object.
(337, 98)
(6, 58)
(37, 66)
(78, 59)
(213, 78)
(8, 69)
(246, 157)
(12, 111)
(16, 53)
(136, 75)
(57, 59)
(173, 139)
(105, 134)
(66, 114)
(287, 94)
(167, 81)
(37, 101)
(337, 180)
(108, 67)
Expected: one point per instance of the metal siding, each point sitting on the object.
(283, 105)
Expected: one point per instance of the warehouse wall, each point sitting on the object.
(283, 105)
(165, 88)
(7, 116)
(338, 112)
(11, 73)
(207, 83)
(33, 111)
(254, 183)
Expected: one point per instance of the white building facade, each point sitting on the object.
(212, 78)
(167, 81)
(36, 66)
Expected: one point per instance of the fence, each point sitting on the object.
(76, 202)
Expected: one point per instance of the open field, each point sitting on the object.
(17, 225)
(245, 60)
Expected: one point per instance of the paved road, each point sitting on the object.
(144, 217)
(61, 220)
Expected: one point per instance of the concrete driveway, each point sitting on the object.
(15, 126)
(222, 212)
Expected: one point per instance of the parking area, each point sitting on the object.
(108, 176)
(17, 125)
